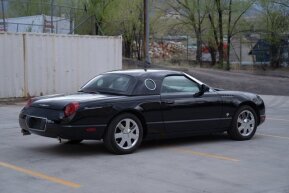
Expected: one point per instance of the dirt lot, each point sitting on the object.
(268, 85)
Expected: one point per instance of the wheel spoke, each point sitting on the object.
(122, 142)
(240, 120)
(241, 116)
(133, 128)
(247, 130)
(241, 128)
(250, 115)
(252, 121)
(245, 115)
(134, 136)
(127, 124)
(118, 135)
(129, 142)
(120, 126)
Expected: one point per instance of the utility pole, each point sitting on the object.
(3, 14)
(51, 19)
(146, 34)
(187, 48)
(70, 20)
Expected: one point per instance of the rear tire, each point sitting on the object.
(124, 134)
(244, 124)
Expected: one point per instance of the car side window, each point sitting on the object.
(179, 84)
(119, 83)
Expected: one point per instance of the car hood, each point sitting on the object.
(60, 101)
(244, 95)
(236, 93)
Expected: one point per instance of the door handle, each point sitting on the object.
(169, 102)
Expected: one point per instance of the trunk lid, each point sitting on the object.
(58, 102)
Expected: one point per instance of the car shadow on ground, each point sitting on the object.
(93, 148)
(182, 142)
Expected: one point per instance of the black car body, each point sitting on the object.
(162, 101)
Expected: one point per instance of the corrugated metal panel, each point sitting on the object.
(61, 63)
(11, 65)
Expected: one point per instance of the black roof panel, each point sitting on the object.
(146, 73)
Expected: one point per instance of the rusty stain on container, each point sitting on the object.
(26, 93)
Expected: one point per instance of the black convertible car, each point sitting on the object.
(125, 107)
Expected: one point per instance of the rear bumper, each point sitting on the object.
(65, 131)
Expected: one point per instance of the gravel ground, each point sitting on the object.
(267, 85)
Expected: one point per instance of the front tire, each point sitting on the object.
(244, 124)
(124, 134)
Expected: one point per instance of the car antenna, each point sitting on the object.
(146, 65)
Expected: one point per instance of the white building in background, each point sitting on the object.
(38, 24)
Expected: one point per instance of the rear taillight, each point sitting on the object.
(29, 102)
(71, 108)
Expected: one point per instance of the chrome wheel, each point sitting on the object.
(246, 123)
(126, 133)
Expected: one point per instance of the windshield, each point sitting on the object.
(108, 83)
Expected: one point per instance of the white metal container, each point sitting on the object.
(39, 64)
(11, 65)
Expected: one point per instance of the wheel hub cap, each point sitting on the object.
(246, 123)
(126, 133)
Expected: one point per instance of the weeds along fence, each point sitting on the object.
(40, 64)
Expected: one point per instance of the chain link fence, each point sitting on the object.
(44, 17)
(245, 51)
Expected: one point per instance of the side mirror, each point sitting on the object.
(204, 88)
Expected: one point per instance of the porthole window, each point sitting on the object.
(150, 84)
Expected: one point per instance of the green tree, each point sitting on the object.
(19, 8)
(236, 10)
(224, 18)
(192, 13)
(274, 21)
(220, 10)
(98, 9)
(127, 19)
